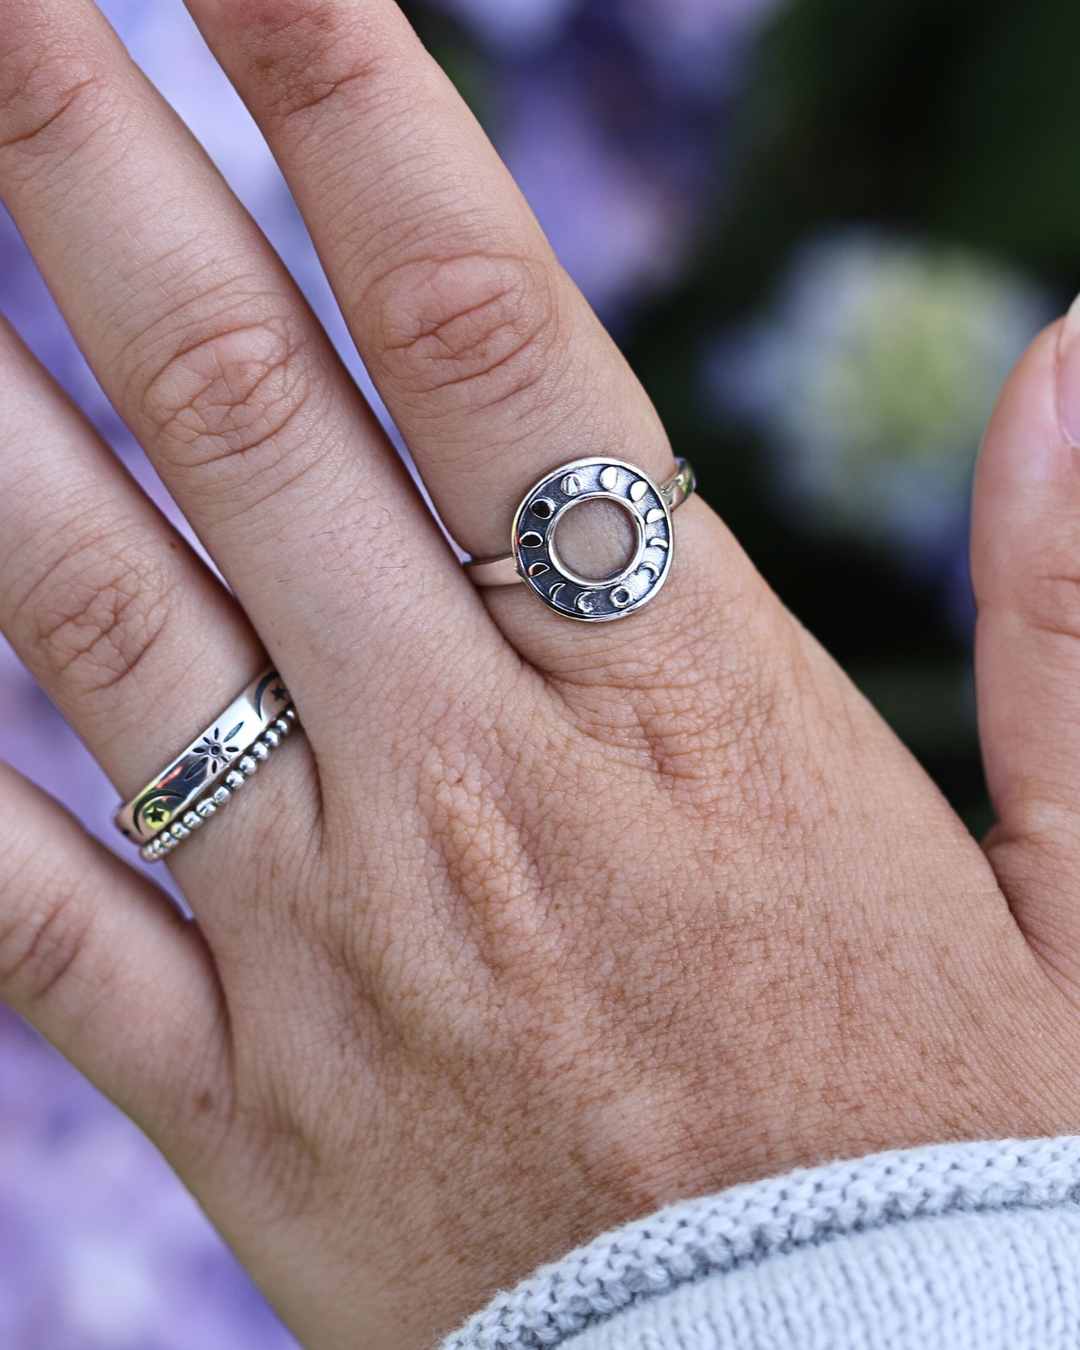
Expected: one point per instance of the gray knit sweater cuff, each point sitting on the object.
(741, 1227)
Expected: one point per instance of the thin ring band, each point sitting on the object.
(234, 780)
(209, 757)
(534, 557)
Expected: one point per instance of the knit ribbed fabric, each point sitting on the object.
(989, 1280)
(750, 1224)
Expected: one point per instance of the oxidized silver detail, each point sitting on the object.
(536, 552)
(164, 843)
(175, 790)
(535, 560)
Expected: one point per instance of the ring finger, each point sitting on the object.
(206, 347)
(104, 601)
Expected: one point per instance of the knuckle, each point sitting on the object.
(93, 617)
(50, 100)
(42, 947)
(480, 324)
(307, 54)
(302, 87)
(1051, 602)
(230, 393)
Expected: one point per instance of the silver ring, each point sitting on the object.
(206, 761)
(230, 785)
(534, 556)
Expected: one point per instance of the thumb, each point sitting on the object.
(1026, 572)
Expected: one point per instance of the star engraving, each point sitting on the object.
(280, 693)
(157, 815)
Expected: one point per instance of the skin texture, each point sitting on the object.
(541, 925)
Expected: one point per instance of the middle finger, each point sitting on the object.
(488, 357)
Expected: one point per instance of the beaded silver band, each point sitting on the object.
(244, 768)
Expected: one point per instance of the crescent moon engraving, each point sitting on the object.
(588, 602)
(537, 557)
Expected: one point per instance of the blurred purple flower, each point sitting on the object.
(101, 1248)
(513, 25)
(610, 115)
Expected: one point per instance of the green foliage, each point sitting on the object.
(957, 120)
(1008, 168)
(953, 114)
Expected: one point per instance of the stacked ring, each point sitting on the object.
(209, 770)
(234, 780)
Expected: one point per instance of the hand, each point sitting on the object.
(542, 924)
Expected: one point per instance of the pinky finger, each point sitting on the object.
(94, 957)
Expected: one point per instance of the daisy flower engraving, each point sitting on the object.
(212, 753)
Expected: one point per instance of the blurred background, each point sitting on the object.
(822, 232)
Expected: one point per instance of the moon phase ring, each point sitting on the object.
(534, 557)
(229, 750)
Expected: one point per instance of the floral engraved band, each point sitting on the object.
(160, 810)
(534, 557)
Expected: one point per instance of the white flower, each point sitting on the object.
(874, 375)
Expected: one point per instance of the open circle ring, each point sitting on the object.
(535, 557)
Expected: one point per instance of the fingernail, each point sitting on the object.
(1069, 374)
